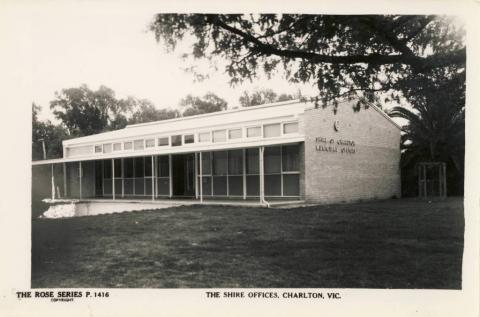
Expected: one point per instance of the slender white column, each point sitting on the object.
(201, 178)
(113, 179)
(262, 181)
(155, 175)
(53, 183)
(196, 176)
(64, 179)
(80, 176)
(123, 178)
(244, 174)
(153, 179)
(170, 176)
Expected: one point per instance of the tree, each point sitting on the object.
(436, 126)
(264, 96)
(145, 111)
(85, 112)
(354, 55)
(198, 105)
(48, 134)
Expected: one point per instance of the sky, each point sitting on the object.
(115, 49)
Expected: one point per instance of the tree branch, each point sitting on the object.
(434, 61)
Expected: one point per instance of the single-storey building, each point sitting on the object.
(283, 151)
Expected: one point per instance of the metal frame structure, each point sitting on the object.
(432, 179)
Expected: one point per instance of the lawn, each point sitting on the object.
(389, 244)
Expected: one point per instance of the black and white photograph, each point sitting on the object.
(245, 155)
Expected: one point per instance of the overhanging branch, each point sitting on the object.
(419, 63)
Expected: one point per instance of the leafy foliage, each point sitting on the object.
(264, 96)
(85, 112)
(436, 125)
(145, 111)
(344, 55)
(46, 132)
(198, 105)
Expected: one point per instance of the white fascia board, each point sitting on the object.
(182, 149)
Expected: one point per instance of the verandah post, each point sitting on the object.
(153, 179)
(170, 188)
(80, 174)
(244, 175)
(113, 179)
(53, 183)
(64, 179)
(262, 181)
(196, 175)
(201, 178)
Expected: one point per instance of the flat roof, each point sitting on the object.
(207, 120)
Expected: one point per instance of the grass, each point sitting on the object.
(388, 244)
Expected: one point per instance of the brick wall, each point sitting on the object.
(367, 169)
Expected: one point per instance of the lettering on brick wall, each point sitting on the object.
(340, 146)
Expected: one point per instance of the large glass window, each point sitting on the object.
(220, 163)
(207, 185)
(272, 159)
(206, 166)
(235, 185)
(128, 186)
(291, 184)
(273, 185)
(98, 149)
(271, 130)
(281, 167)
(219, 136)
(235, 162)
(290, 158)
(128, 167)
(148, 166)
(220, 185)
(107, 169)
(139, 167)
(253, 185)
(163, 172)
(118, 169)
(163, 166)
(117, 146)
(139, 186)
(252, 161)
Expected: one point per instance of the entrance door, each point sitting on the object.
(183, 175)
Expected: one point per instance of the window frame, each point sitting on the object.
(290, 122)
(184, 139)
(163, 145)
(235, 129)
(255, 136)
(219, 130)
(209, 138)
(280, 126)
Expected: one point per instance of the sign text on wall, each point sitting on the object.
(341, 146)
